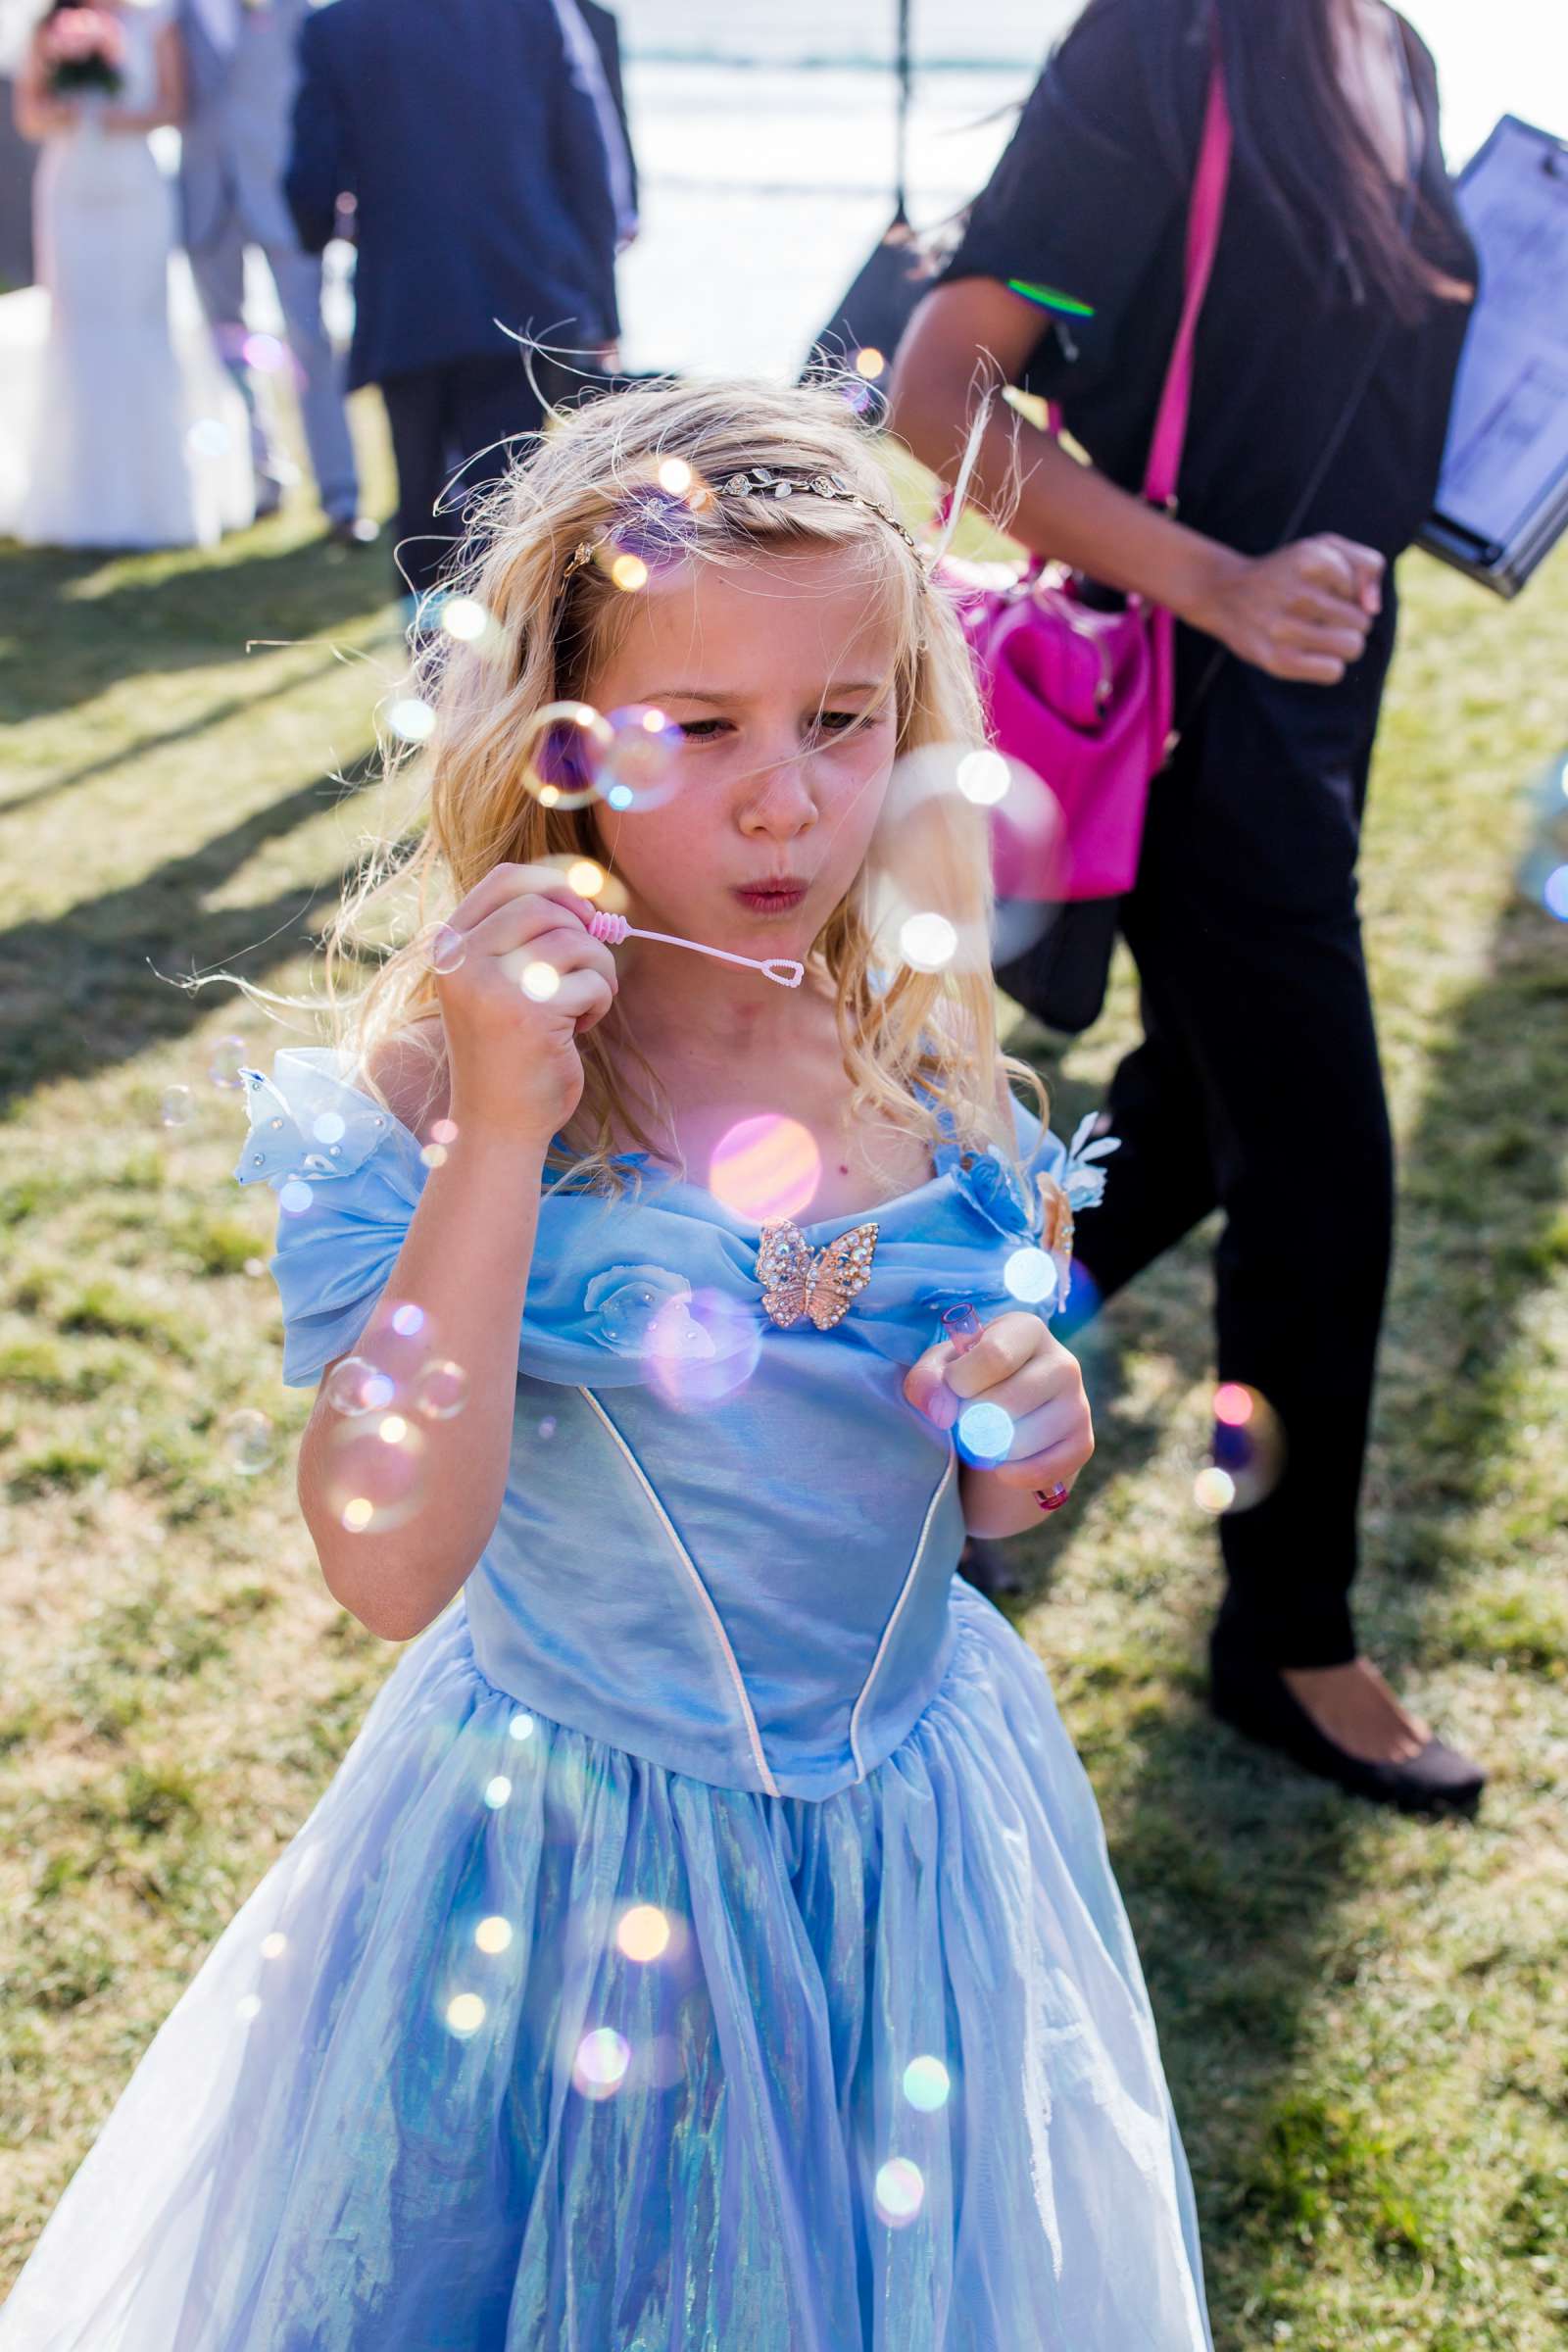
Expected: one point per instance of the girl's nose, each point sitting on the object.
(780, 799)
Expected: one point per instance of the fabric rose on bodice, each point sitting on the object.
(645, 1310)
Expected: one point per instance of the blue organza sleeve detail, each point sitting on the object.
(348, 1179)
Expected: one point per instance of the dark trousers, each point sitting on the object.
(455, 429)
(1257, 1090)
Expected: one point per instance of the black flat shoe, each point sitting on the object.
(1256, 1700)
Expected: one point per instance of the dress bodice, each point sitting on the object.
(724, 1543)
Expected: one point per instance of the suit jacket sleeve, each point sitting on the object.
(602, 24)
(580, 168)
(320, 167)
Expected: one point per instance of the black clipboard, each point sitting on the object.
(1502, 494)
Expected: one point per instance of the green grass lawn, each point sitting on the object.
(1364, 2018)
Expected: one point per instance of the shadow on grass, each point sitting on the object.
(143, 747)
(93, 986)
(1234, 1867)
(169, 612)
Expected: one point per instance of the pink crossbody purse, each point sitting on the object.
(1081, 696)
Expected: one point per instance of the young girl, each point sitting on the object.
(709, 1941)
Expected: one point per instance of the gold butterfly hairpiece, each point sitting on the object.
(798, 1280)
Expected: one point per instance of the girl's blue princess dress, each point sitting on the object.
(708, 1944)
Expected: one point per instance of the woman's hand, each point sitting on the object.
(1302, 613)
(525, 979)
(1016, 1364)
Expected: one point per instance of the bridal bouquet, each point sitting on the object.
(83, 50)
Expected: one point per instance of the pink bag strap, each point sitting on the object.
(1205, 213)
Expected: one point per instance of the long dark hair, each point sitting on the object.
(1297, 138)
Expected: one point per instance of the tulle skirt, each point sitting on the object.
(527, 2045)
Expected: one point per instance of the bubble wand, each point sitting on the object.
(614, 928)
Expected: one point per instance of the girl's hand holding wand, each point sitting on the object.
(1014, 1363)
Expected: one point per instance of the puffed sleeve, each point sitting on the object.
(1061, 1180)
(348, 1178)
(1086, 200)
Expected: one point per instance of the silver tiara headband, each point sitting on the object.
(753, 481)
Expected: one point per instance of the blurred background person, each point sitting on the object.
(241, 77)
(472, 136)
(120, 434)
(1326, 347)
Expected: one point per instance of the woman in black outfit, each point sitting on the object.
(1341, 261)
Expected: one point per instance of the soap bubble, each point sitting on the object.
(521, 1727)
(1248, 1449)
(248, 1442)
(1555, 892)
(984, 1433)
(547, 1427)
(248, 2007)
(328, 1128)
(984, 777)
(441, 1391)
(275, 1945)
(465, 619)
(562, 754)
(356, 1387)
(208, 438)
(266, 354)
(926, 2085)
(374, 1472)
(1030, 1275)
(628, 571)
(464, 2014)
(899, 2192)
(928, 941)
(870, 363)
(586, 876)
(642, 767)
(410, 718)
(493, 1934)
(643, 1932)
(539, 980)
(721, 1359)
(599, 2068)
(855, 394)
(498, 1792)
(294, 1196)
(675, 477)
(765, 1166)
(176, 1107)
(448, 948)
(227, 1068)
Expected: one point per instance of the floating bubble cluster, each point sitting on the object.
(765, 1166)
(900, 2191)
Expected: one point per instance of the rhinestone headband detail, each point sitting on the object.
(761, 481)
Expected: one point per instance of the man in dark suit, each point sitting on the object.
(470, 136)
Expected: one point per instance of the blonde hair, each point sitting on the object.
(899, 1027)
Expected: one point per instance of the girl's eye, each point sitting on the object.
(702, 731)
(841, 722)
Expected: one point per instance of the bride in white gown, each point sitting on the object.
(125, 433)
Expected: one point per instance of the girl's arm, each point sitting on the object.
(168, 99)
(467, 1261)
(38, 115)
(1302, 613)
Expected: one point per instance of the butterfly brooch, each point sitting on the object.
(798, 1280)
